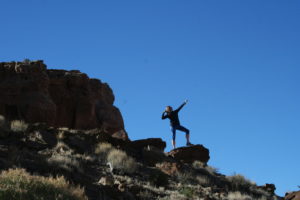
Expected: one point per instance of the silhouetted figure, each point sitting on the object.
(175, 124)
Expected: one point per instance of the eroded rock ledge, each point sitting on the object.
(60, 98)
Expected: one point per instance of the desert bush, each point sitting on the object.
(18, 126)
(239, 196)
(203, 180)
(187, 191)
(67, 162)
(64, 157)
(239, 182)
(121, 161)
(200, 165)
(17, 184)
(187, 178)
(103, 149)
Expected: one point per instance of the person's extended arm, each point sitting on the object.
(180, 107)
(164, 115)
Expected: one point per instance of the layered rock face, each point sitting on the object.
(60, 98)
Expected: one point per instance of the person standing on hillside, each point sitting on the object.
(175, 124)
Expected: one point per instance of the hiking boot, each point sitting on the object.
(189, 144)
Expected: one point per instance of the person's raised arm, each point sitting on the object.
(180, 107)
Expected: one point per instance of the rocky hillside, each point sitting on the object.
(62, 138)
(112, 168)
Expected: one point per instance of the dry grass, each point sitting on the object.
(17, 184)
(203, 180)
(240, 183)
(18, 126)
(209, 169)
(103, 148)
(240, 196)
(64, 157)
(120, 160)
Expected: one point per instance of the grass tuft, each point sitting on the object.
(120, 160)
(18, 126)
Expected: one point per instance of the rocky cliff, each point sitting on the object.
(31, 92)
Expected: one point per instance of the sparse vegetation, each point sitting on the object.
(102, 150)
(187, 191)
(239, 196)
(203, 180)
(65, 158)
(120, 160)
(199, 165)
(17, 184)
(239, 182)
(18, 126)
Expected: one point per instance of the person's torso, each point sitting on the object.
(174, 119)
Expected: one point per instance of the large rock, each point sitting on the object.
(156, 143)
(190, 154)
(59, 98)
(292, 196)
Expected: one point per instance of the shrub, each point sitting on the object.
(239, 182)
(240, 196)
(201, 165)
(18, 126)
(17, 184)
(64, 157)
(120, 160)
(203, 180)
(103, 148)
(186, 178)
(187, 191)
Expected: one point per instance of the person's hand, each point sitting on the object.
(186, 101)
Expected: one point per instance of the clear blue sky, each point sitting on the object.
(236, 61)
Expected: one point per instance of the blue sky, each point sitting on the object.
(236, 61)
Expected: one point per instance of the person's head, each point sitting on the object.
(169, 109)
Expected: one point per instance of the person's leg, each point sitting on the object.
(187, 133)
(173, 129)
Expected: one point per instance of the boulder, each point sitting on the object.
(60, 98)
(150, 143)
(292, 196)
(190, 154)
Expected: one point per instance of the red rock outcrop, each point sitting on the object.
(190, 154)
(60, 98)
(292, 196)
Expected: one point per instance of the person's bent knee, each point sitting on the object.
(187, 132)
